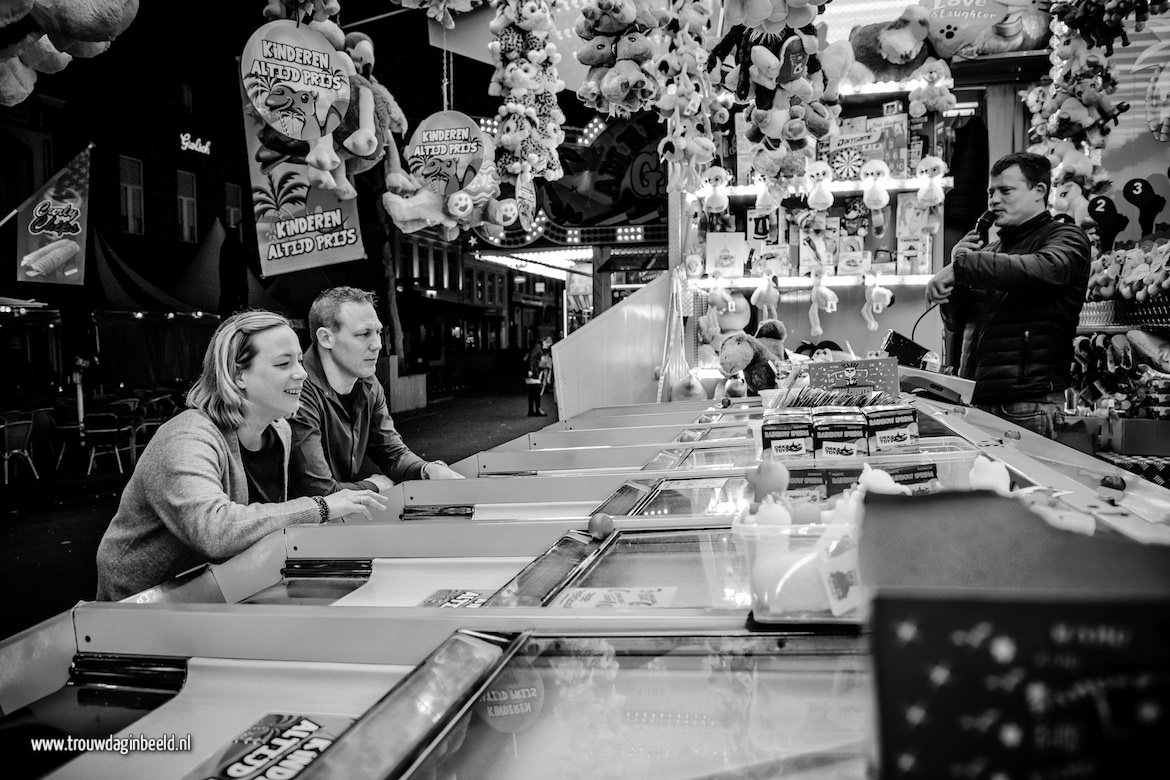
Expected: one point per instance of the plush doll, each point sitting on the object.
(1069, 199)
(822, 299)
(931, 170)
(877, 298)
(875, 175)
(741, 352)
(765, 297)
(771, 333)
(836, 59)
(932, 95)
(818, 174)
(890, 51)
(716, 201)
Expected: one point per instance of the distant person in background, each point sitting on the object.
(539, 369)
(214, 479)
(343, 435)
(1017, 300)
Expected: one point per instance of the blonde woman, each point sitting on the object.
(214, 479)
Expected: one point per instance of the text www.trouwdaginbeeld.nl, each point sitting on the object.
(168, 743)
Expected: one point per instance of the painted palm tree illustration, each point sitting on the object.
(1158, 89)
(280, 197)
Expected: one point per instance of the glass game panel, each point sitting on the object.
(665, 707)
(711, 496)
(307, 590)
(694, 569)
(720, 456)
(732, 432)
(665, 460)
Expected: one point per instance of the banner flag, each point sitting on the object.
(294, 92)
(51, 227)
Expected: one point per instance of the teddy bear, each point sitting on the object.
(932, 94)
(743, 353)
(818, 175)
(890, 51)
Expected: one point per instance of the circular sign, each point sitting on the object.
(515, 699)
(446, 151)
(295, 80)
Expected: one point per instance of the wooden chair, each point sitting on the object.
(16, 436)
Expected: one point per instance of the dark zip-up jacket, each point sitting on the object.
(333, 448)
(1017, 303)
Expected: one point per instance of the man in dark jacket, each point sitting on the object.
(343, 435)
(1017, 300)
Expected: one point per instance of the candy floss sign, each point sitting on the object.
(51, 228)
(295, 94)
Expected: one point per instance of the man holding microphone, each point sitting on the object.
(1016, 301)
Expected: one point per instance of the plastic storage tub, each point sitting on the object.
(802, 573)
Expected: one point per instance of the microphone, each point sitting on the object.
(983, 225)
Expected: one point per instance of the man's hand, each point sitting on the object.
(939, 288)
(968, 243)
(382, 481)
(438, 470)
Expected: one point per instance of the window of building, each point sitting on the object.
(479, 286)
(185, 189)
(468, 282)
(424, 274)
(232, 209)
(453, 270)
(130, 186)
(188, 97)
(500, 288)
(491, 288)
(441, 254)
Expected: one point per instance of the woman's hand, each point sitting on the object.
(354, 502)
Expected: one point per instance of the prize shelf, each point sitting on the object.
(749, 283)
(1119, 316)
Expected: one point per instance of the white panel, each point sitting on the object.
(611, 360)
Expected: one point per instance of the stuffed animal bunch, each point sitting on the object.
(620, 46)
(526, 78)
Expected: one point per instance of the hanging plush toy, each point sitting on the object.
(931, 170)
(766, 297)
(716, 201)
(817, 175)
(877, 298)
(822, 299)
(875, 176)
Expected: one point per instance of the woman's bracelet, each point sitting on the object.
(323, 508)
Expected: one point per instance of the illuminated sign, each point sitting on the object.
(188, 144)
